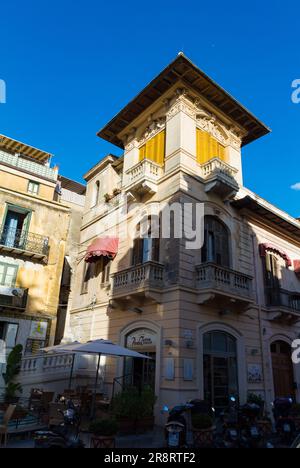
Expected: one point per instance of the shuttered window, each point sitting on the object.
(154, 149)
(272, 279)
(216, 242)
(208, 147)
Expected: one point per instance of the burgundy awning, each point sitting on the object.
(263, 248)
(102, 247)
(297, 267)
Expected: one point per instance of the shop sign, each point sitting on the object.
(141, 339)
(38, 330)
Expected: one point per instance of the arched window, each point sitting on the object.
(146, 243)
(272, 279)
(96, 192)
(216, 242)
(220, 372)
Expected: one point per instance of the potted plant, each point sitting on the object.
(133, 409)
(104, 433)
(107, 198)
(13, 368)
(145, 417)
(116, 192)
(125, 410)
(202, 427)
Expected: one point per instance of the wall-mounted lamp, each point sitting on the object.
(189, 344)
(136, 310)
(168, 342)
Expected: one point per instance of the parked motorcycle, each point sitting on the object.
(64, 436)
(251, 435)
(230, 424)
(285, 425)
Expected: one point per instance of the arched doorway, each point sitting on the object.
(283, 373)
(140, 372)
(220, 368)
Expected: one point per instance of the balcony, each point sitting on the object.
(143, 177)
(139, 284)
(13, 298)
(220, 178)
(28, 165)
(18, 242)
(283, 306)
(223, 287)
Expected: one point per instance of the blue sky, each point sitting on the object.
(69, 66)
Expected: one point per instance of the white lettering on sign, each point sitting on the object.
(141, 338)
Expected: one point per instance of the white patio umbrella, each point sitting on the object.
(60, 348)
(99, 348)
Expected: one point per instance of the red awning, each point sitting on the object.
(102, 247)
(297, 267)
(263, 248)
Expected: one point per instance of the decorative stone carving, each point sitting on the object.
(209, 123)
(182, 104)
(152, 129)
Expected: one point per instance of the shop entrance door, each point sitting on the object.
(219, 369)
(140, 372)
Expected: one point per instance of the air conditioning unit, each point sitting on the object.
(12, 297)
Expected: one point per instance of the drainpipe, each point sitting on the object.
(258, 302)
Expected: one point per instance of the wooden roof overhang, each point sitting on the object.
(183, 70)
(288, 224)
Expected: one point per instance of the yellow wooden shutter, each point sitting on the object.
(154, 149)
(208, 147)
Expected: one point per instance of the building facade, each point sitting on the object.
(218, 319)
(33, 236)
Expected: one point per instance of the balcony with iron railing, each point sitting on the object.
(141, 281)
(222, 285)
(20, 242)
(13, 298)
(28, 165)
(220, 177)
(143, 177)
(283, 304)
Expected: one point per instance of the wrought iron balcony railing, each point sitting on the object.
(280, 298)
(18, 239)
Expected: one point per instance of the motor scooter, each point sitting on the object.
(285, 425)
(230, 422)
(64, 436)
(176, 426)
(251, 435)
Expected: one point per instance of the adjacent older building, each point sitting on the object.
(218, 319)
(33, 236)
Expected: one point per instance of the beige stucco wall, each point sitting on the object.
(178, 310)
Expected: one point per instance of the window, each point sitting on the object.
(16, 226)
(145, 248)
(105, 270)
(8, 274)
(33, 187)
(272, 279)
(216, 242)
(96, 193)
(219, 368)
(8, 333)
(88, 273)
